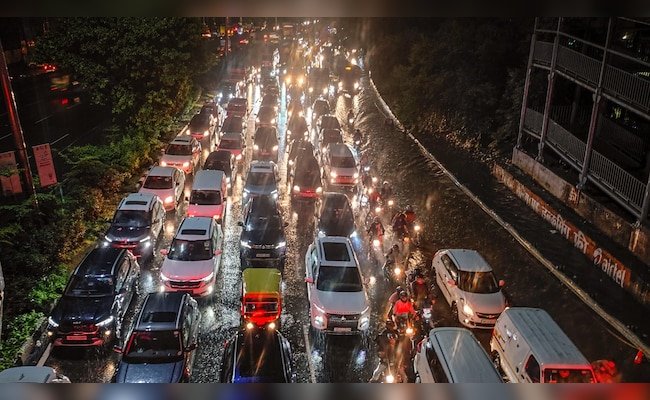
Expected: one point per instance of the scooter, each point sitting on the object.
(394, 273)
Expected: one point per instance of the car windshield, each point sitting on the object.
(266, 114)
(232, 144)
(259, 357)
(266, 140)
(179, 150)
(205, 197)
(89, 285)
(337, 212)
(260, 179)
(264, 223)
(478, 282)
(343, 162)
(199, 121)
(339, 279)
(158, 182)
(564, 375)
(330, 123)
(154, 347)
(190, 250)
(131, 218)
(331, 137)
(217, 165)
(232, 125)
(307, 175)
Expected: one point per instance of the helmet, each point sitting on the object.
(385, 183)
(395, 247)
(390, 324)
(409, 208)
(399, 290)
(377, 219)
(403, 294)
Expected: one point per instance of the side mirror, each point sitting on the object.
(502, 283)
(164, 252)
(218, 252)
(191, 347)
(309, 280)
(451, 282)
(138, 186)
(240, 223)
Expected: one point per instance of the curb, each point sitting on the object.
(582, 295)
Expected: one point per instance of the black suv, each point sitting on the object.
(257, 356)
(305, 177)
(162, 345)
(265, 144)
(95, 300)
(335, 216)
(222, 160)
(137, 224)
(262, 239)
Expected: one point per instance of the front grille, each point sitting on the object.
(77, 328)
(184, 284)
(487, 316)
(343, 321)
(263, 246)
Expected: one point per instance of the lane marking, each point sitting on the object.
(310, 362)
(45, 356)
(579, 292)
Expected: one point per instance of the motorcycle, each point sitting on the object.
(393, 272)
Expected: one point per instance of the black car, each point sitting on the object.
(335, 216)
(319, 108)
(226, 91)
(95, 300)
(265, 144)
(297, 128)
(257, 356)
(162, 345)
(136, 224)
(222, 160)
(305, 177)
(200, 126)
(266, 116)
(263, 242)
(233, 124)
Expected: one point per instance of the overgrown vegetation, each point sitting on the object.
(145, 70)
(463, 75)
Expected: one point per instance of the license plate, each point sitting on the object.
(75, 338)
(338, 329)
(263, 255)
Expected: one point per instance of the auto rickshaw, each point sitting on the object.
(261, 301)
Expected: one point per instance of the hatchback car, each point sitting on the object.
(265, 144)
(96, 299)
(262, 241)
(233, 124)
(335, 216)
(168, 183)
(162, 344)
(266, 116)
(222, 160)
(137, 224)
(234, 143)
(257, 356)
(339, 165)
(305, 181)
(468, 284)
(184, 153)
(192, 261)
(262, 180)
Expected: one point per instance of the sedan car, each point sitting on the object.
(162, 345)
(95, 300)
(257, 356)
(262, 180)
(233, 124)
(201, 128)
(335, 216)
(262, 241)
(265, 144)
(266, 116)
(168, 183)
(222, 160)
(305, 180)
(234, 143)
(468, 284)
(319, 108)
(184, 153)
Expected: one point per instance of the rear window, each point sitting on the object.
(336, 251)
(158, 182)
(343, 162)
(564, 375)
(205, 197)
(259, 357)
(179, 150)
(260, 179)
(232, 144)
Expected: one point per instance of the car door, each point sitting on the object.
(449, 278)
(179, 184)
(120, 303)
(158, 221)
(217, 245)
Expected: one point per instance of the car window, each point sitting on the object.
(205, 197)
(450, 266)
(439, 375)
(122, 273)
(190, 250)
(260, 179)
(478, 282)
(131, 218)
(343, 162)
(82, 286)
(336, 251)
(179, 150)
(232, 144)
(532, 369)
(339, 279)
(158, 182)
(260, 358)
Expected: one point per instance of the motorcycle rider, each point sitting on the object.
(376, 229)
(386, 191)
(373, 198)
(400, 225)
(394, 296)
(357, 137)
(403, 307)
(386, 341)
(419, 288)
(410, 216)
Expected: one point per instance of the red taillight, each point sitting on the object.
(64, 101)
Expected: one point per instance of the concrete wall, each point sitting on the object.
(636, 239)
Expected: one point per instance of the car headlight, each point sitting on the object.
(364, 323)
(324, 90)
(169, 199)
(257, 120)
(245, 243)
(208, 278)
(296, 188)
(238, 157)
(163, 164)
(186, 164)
(145, 239)
(275, 148)
(280, 245)
(340, 85)
(356, 85)
(467, 310)
(311, 90)
(105, 322)
(319, 190)
(206, 133)
(274, 194)
(187, 131)
(52, 322)
(354, 234)
(290, 162)
(164, 277)
(355, 175)
(273, 121)
(256, 147)
(333, 174)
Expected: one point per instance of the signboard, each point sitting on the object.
(10, 181)
(45, 164)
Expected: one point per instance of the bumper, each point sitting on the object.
(82, 339)
(477, 322)
(304, 195)
(337, 327)
(138, 249)
(194, 288)
(262, 257)
(344, 181)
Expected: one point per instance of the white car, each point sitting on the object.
(168, 183)
(335, 287)
(184, 153)
(468, 284)
(340, 167)
(192, 261)
(32, 374)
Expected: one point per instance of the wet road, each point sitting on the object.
(450, 220)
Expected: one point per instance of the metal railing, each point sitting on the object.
(617, 180)
(543, 52)
(562, 138)
(533, 120)
(621, 138)
(578, 65)
(631, 88)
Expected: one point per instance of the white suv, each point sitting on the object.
(193, 259)
(339, 165)
(335, 287)
(468, 284)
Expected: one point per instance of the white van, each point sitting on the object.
(208, 195)
(453, 355)
(529, 346)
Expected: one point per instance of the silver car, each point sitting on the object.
(262, 180)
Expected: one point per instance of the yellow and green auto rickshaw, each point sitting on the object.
(261, 301)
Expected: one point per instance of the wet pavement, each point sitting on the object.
(449, 219)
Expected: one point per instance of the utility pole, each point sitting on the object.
(227, 40)
(17, 130)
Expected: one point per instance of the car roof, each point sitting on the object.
(261, 280)
(238, 100)
(100, 261)
(138, 201)
(464, 358)
(329, 244)
(27, 374)
(219, 155)
(469, 260)
(161, 171)
(182, 139)
(161, 311)
(208, 179)
(339, 150)
(195, 228)
(262, 166)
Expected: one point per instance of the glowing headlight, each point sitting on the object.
(356, 85)
(376, 243)
(377, 210)
(164, 277)
(273, 121)
(257, 120)
(290, 162)
(274, 194)
(333, 174)
(355, 175)
(187, 131)
(163, 164)
(311, 90)
(324, 90)
(467, 309)
(397, 271)
(296, 188)
(206, 133)
(52, 322)
(105, 322)
(364, 323)
(409, 331)
(145, 239)
(250, 326)
(340, 85)
(208, 278)
(354, 234)
(256, 147)
(390, 378)
(319, 190)
(271, 326)
(275, 148)
(169, 199)
(244, 243)
(417, 228)
(280, 245)
(186, 164)
(238, 157)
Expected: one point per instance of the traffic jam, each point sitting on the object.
(265, 246)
